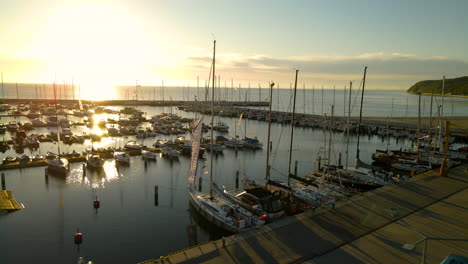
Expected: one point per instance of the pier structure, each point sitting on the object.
(8, 202)
(422, 219)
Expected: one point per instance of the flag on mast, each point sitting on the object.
(196, 137)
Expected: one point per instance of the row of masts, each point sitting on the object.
(69, 91)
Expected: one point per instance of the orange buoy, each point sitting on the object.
(78, 238)
(96, 203)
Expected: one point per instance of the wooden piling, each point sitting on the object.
(295, 168)
(156, 195)
(3, 181)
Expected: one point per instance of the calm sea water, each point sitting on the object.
(129, 227)
(382, 103)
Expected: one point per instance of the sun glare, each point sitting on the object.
(100, 47)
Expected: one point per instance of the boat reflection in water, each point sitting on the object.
(214, 232)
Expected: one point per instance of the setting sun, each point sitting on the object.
(99, 46)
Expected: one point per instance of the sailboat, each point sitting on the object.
(220, 211)
(361, 175)
(57, 165)
(235, 143)
(302, 193)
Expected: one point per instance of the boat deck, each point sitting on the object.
(371, 227)
(8, 202)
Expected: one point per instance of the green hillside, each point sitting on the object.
(454, 87)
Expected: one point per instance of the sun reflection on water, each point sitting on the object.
(94, 178)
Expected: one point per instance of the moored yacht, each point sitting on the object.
(57, 166)
(122, 158)
(95, 161)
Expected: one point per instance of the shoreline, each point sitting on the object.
(440, 95)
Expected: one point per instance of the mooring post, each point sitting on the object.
(156, 195)
(319, 163)
(339, 159)
(200, 184)
(295, 168)
(237, 179)
(3, 181)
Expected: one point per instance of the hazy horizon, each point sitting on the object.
(104, 43)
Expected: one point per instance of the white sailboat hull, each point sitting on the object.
(195, 199)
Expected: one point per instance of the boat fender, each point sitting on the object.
(78, 238)
(96, 204)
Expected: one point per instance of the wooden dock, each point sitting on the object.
(371, 227)
(8, 202)
(37, 163)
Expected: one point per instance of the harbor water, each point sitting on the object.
(134, 225)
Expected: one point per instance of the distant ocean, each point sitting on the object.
(382, 103)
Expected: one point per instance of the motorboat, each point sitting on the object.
(122, 158)
(221, 127)
(141, 133)
(252, 143)
(95, 161)
(133, 145)
(234, 143)
(148, 155)
(170, 153)
(38, 123)
(112, 131)
(12, 126)
(32, 142)
(57, 166)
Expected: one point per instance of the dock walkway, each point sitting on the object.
(371, 227)
(8, 202)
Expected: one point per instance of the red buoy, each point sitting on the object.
(96, 203)
(78, 238)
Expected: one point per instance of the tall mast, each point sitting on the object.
(344, 101)
(322, 99)
(313, 99)
(267, 173)
(349, 123)
(419, 127)
(330, 137)
(430, 121)
(56, 116)
(443, 95)
(212, 118)
(292, 130)
(360, 114)
(3, 90)
(441, 115)
(304, 98)
(278, 94)
(17, 98)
